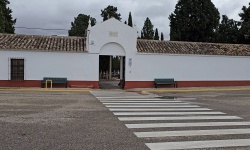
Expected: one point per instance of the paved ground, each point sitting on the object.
(215, 120)
(60, 121)
(106, 119)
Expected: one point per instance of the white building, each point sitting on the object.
(25, 59)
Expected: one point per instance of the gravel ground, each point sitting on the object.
(58, 121)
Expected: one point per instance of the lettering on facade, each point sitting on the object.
(113, 34)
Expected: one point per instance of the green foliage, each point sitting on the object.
(2, 22)
(6, 21)
(194, 20)
(104, 63)
(244, 33)
(147, 30)
(109, 12)
(115, 63)
(142, 36)
(156, 37)
(162, 37)
(130, 21)
(228, 31)
(80, 24)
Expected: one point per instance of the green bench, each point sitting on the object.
(166, 81)
(55, 81)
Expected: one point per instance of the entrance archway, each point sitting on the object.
(112, 66)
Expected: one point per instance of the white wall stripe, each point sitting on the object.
(175, 125)
(177, 118)
(192, 133)
(165, 113)
(198, 144)
(153, 106)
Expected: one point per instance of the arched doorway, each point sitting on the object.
(112, 66)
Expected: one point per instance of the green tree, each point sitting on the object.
(162, 37)
(80, 24)
(194, 20)
(244, 32)
(6, 21)
(109, 12)
(228, 31)
(142, 36)
(147, 30)
(130, 21)
(156, 37)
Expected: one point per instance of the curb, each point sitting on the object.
(194, 90)
(44, 90)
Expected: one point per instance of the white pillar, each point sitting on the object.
(110, 67)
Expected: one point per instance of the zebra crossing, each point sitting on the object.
(176, 123)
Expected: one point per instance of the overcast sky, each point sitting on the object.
(58, 14)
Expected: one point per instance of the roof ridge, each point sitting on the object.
(44, 36)
(210, 43)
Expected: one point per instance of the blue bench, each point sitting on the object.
(166, 81)
(55, 81)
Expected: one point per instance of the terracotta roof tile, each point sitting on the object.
(42, 43)
(173, 47)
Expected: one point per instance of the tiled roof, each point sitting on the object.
(41, 43)
(77, 44)
(171, 47)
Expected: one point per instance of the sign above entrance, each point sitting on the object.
(113, 34)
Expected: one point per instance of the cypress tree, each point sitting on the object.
(162, 37)
(130, 21)
(147, 30)
(156, 37)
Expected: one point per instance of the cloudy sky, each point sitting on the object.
(58, 14)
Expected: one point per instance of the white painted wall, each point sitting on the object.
(113, 33)
(146, 67)
(74, 66)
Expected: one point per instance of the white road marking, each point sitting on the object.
(135, 101)
(145, 103)
(192, 133)
(165, 113)
(178, 118)
(152, 106)
(175, 125)
(198, 144)
(159, 109)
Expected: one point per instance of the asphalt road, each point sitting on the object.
(80, 120)
(60, 121)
